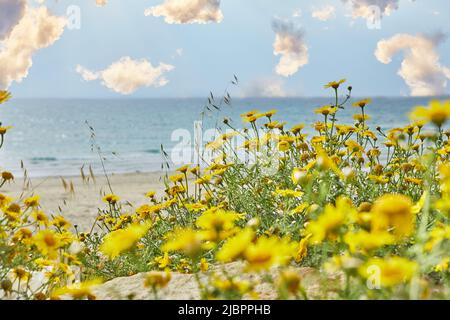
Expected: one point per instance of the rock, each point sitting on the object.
(185, 287)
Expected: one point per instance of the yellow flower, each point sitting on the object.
(48, 243)
(269, 252)
(183, 169)
(4, 96)
(150, 194)
(253, 118)
(42, 263)
(235, 247)
(443, 265)
(195, 170)
(297, 128)
(5, 200)
(111, 199)
(393, 211)
(218, 225)
(249, 114)
(22, 234)
(288, 193)
(392, 270)
(32, 201)
(438, 234)
(326, 110)
(334, 84)
(421, 203)
(187, 241)
(121, 240)
(284, 146)
(203, 179)
(364, 242)
(147, 212)
(195, 207)
(3, 130)
(176, 178)
(12, 212)
(378, 179)
(362, 103)
(79, 290)
(360, 118)
(343, 129)
(329, 222)
(20, 274)
(157, 280)
(60, 222)
(353, 146)
(302, 250)
(319, 126)
(163, 261)
(204, 265)
(437, 113)
(71, 259)
(270, 113)
(300, 208)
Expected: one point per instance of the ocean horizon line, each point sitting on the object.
(446, 96)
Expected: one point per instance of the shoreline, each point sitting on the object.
(81, 206)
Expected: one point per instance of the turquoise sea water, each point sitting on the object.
(51, 137)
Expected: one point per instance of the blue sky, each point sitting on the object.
(242, 44)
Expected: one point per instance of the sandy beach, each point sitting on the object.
(80, 207)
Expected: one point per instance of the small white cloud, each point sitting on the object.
(37, 29)
(187, 11)
(421, 68)
(87, 74)
(10, 14)
(127, 75)
(371, 10)
(290, 44)
(324, 13)
(265, 87)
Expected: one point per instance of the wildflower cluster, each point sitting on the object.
(369, 208)
(38, 252)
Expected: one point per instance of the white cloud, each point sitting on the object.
(372, 10)
(187, 11)
(421, 68)
(324, 13)
(87, 74)
(36, 30)
(11, 11)
(290, 44)
(265, 87)
(127, 75)
(99, 3)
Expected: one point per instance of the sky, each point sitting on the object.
(187, 48)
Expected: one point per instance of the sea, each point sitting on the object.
(54, 137)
